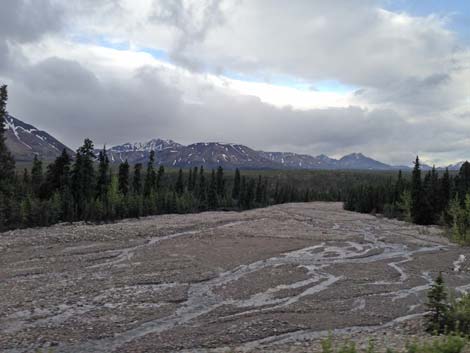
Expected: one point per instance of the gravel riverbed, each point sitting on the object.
(277, 279)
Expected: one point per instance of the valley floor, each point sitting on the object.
(267, 280)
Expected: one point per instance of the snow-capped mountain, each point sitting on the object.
(455, 166)
(230, 156)
(25, 141)
(152, 145)
(359, 161)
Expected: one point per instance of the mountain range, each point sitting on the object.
(230, 156)
(25, 141)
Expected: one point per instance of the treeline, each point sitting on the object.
(84, 187)
(429, 199)
(87, 189)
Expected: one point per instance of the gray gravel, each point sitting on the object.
(268, 280)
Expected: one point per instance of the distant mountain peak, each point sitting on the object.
(25, 141)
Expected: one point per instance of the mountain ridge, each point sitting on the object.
(232, 155)
(25, 141)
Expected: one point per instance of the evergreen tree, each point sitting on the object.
(417, 200)
(179, 186)
(160, 174)
(242, 193)
(103, 175)
(250, 194)
(58, 174)
(124, 178)
(150, 177)
(194, 179)
(444, 191)
(83, 179)
(212, 192)
(36, 176)
(463, 181)
(137, 180)
(190, 180)
(427, 211)
(26, 178)
(7, 163)
(437, 306)
(434, 195)
(399, 188)
(202, 190)
(236, 185)
(220, 182)
(259, 191)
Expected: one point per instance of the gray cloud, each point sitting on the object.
(407, 70)
(67, 99)
(25, 21)
(72, 102)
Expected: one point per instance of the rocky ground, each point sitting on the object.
(268, 280)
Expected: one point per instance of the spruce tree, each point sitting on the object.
(250, 193)
(236, 185)
(150, 177)
(190, 180)
(179, 186)
(434, 197)
(242, 193)
(427, 211)
(259, 191)
(399, 188)
(417, 204)
(137, 179)
(212, 192)
(437, 306)
(26, 178)
(463, 181)
(444, 191)
(159, 180)
(7, 163)
(36, 176)
(202, 190)
(84, 179)
(194, 180)
(220, 182)
(123, 179)
(58, 174)
(103, 175)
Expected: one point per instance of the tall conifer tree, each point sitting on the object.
(7, 163)
(212, 192)
(179, 186)
(416, 194)
(236, 185)
(123, 179)
(137, 180)
(36, 176)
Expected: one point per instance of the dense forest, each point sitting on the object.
(432, 199)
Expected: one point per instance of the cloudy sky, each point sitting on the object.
(389, 78)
